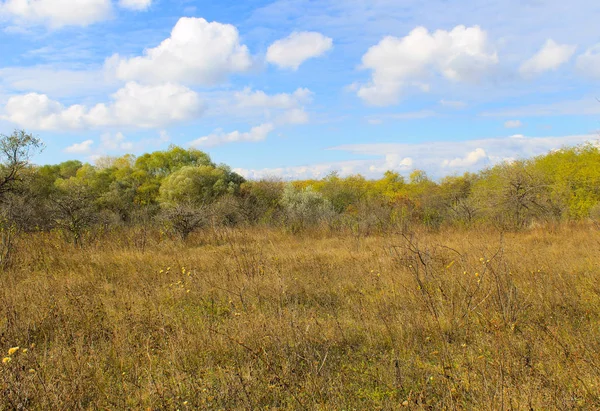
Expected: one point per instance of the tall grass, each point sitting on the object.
(259, 318)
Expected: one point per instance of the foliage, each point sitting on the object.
(15, 153)
(562, 185)
(199, 185)
(305, 207)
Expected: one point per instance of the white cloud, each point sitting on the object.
(293, 117)
(344, 168)
(58, 82)
(84, 147)
(469, 160)
(298, 47)
(57, 13)
(279, 109)
(461, 54)
(443, 157)
(116, 143)
(256, 134)
(197, 52)
(393, 161)
(513, 124)
(589, 62)
(134, 105)
(135, 4)
(311, 171)
(259, 99)
(550, 57)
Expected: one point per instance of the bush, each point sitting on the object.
(305, 208)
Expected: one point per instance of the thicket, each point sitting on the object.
(181, 190)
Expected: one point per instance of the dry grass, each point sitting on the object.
(255, 318)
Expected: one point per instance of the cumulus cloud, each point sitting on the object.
(115, 143)
(197, 52)
(462, 54)
(135, 4)
(513, 124)
(134, 105)
(470, 159)
(280, 109)
(84, 147)
(56, 13)
(550, 57)
(292, 51)
(589, 62)
(393, 161)
(256, 134)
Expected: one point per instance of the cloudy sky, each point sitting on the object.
(299, 88)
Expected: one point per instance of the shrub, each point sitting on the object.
(305, 207)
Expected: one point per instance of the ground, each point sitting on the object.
(254, 318)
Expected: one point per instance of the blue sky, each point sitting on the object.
(300, 88)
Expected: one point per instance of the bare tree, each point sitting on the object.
(74, 208)
(185, 218)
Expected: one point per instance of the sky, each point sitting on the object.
(300, 88)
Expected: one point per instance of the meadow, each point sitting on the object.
(262, 318)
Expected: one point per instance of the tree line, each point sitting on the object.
(182, 190)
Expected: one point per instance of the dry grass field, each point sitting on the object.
(260, 319)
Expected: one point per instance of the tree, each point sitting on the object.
(74, 207)
(184, 218)
(455, 195)
(305, 207)
(15, 152)
(514, 194)
(261, 199)
(199, 185)
(151, 169)
(163, 163)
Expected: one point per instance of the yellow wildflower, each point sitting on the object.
(13, 350)
(6, 360)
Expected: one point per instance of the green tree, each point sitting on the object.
(514, 194)
(199, 185)
(16, 151)
(151, 169)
